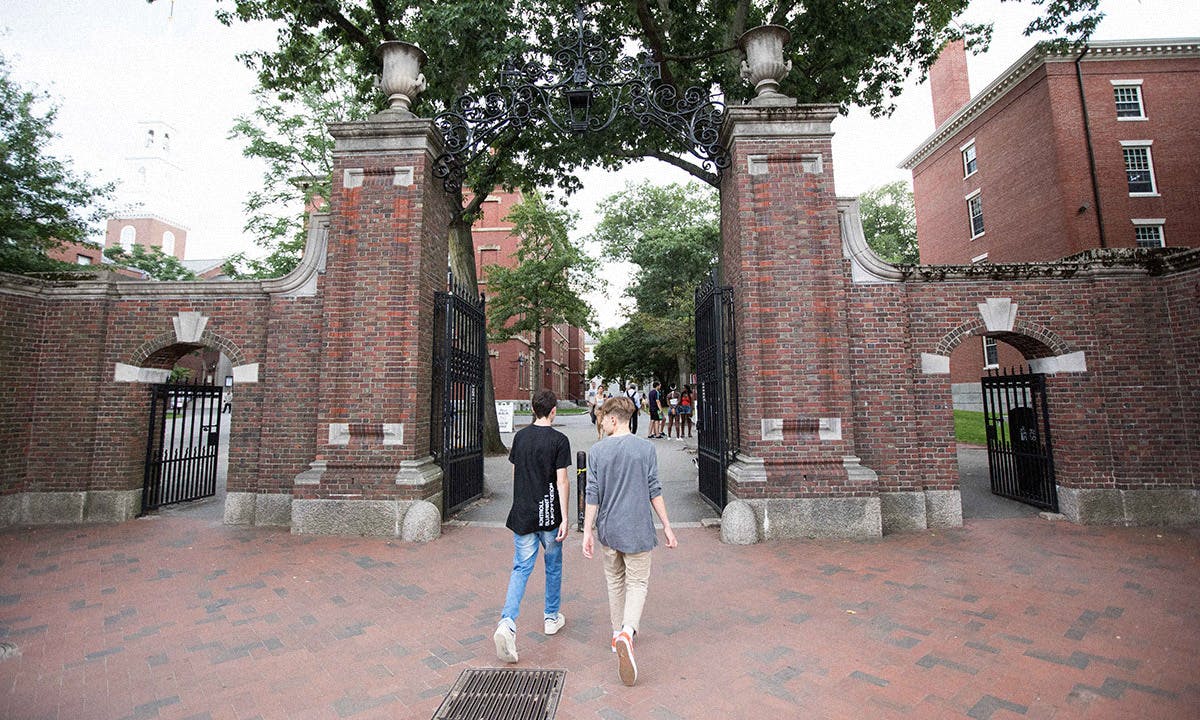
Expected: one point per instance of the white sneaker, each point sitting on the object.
(626, 666)
(506, 643)
(554, 624)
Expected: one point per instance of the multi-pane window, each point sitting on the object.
(975, 212)
(970, 161)
(1149, 236)
(991, 353)
(1128, 98)
(1139, 169)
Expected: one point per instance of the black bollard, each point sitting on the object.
(580, 484)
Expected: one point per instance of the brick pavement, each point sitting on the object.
(173, 617)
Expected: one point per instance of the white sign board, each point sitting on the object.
(504, 414)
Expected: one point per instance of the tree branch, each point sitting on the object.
(705, 56)
(654, 39)
(782, 8)
(381, 15)
(690, 168)
(353, 32)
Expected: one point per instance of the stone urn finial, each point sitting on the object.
(764, 65)
(402, 80)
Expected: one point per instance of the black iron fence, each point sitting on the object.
(1020, 454)
(182, 443)
(456, 422)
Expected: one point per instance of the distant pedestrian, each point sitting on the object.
(686, 407)
(654, 409)
(672, 409)
(622, 488)
(635, 396)
(540, 456)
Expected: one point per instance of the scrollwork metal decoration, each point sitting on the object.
(580, 88)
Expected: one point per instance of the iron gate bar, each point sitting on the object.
(182, 444)
(459, 354)
(718, 434)
(1020, 451)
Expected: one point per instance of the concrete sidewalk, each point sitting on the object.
(676, 470)
(174, 617)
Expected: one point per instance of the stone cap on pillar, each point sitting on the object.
(386, 132)
(746, 121)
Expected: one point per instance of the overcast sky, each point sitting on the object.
(113, 63)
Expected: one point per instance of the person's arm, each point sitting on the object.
(589, 519)
(660, 508)
(564, 491)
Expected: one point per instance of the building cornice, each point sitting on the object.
(1037, 56)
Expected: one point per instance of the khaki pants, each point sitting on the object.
(628, 577)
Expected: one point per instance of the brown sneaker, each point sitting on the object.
(626, 666)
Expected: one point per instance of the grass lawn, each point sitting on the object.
(968, 427)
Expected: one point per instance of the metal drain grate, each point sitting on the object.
(503, 694)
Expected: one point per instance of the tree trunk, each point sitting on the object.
(462, 264)
(681, 360)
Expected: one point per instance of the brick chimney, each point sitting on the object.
(948, 82)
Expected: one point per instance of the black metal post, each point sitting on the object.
(580, 485)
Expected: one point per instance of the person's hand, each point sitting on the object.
(671, 541)
(588, 544)
(562, 531)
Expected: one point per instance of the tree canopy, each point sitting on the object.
(851, 54)
(669, 235)
(43, 201)
(890, 222)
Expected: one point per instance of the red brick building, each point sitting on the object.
(1089, 147)
(561, 346)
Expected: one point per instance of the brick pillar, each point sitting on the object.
(782, 253)
(387, 256)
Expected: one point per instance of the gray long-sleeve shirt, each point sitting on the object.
(622, 480)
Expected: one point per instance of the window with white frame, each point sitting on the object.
(128, 237)
(969, 159)
(1149, 233)
(975, 213)
(991, 353)
(1139, 167)
(83, 260)
(1128, 97)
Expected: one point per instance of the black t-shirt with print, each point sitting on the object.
(537, 453)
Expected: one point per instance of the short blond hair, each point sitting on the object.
(620, 407)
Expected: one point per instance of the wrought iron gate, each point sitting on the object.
(456, 422)
(1017, 421)
(182, 444)
(716, 387)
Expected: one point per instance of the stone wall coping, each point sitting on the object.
(103, 284)
(1097, 263)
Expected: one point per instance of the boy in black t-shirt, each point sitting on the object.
(540, 456)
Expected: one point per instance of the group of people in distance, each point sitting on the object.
(622, 492)
(670, 413)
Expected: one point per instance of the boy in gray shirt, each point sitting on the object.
(622, 487)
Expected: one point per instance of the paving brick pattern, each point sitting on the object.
(172, 617)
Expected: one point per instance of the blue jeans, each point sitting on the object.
(525, 549)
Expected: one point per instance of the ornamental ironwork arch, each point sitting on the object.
(580, 89)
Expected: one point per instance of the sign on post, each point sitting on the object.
(504, 415)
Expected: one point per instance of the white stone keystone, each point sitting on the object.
(999, 314)
(189, 326)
